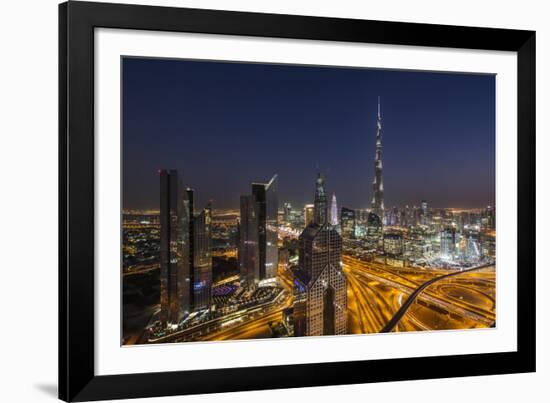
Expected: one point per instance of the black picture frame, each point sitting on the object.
(77, 21)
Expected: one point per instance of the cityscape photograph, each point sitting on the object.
(266, 201)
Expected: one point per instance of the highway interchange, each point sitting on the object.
(376, 292)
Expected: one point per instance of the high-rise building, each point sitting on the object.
(309, 210)
(424, 218)
(287, 213)
(393, 244)
(171, 248)
(448, 239)
(320, 285)
(490, 218)
(187, 230)
(202, 259)
(347, 219)
(377, 204)
(374, 231)
(320, 212)
(334, 219)
(472, 244)
(424, 207)
(265, 195)
(249, 259)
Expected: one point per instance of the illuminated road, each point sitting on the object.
(411, 299)
(376, 292)
(256, 326)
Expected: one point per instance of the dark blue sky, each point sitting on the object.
(225, 125)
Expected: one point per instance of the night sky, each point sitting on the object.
(225, 125)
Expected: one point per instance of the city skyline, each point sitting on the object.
(455, 175)
(350, 256)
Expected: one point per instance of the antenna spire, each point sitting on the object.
(379, 106)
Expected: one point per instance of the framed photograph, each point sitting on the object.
(256, 201)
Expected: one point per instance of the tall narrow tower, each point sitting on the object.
(334, 219)
(320, 202)
(377, 204)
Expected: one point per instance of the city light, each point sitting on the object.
(272, 268)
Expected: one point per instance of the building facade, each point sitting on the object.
(334, 218)
(308, 214)
(374, 231)
(320, 305)
(202, 267)
(472, 244)
(320, 203)
(448, 240)
(266, 198)
(249, 259)
(347, 220)
(175, 290)
(393, 244)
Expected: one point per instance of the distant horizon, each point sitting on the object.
(237, 208)
(226, 125)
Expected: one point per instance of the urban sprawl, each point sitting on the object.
(271, 269)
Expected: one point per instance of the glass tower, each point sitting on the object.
(265, 195)
(170, 247)
(202, 258)
(320, 203)
(320, 285)
(249, 261)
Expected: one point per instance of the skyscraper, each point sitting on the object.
(424, 207)
(472, 249)
(249, 260)
(448, 240)
(189, 234)
(287, 213)
(320, 285)
(377, 203)
(334, 219)
(265, 195)
(202, 267)
(308, 214)
(393, 244)
(171, 247)
(347, 219)
(374, 231)
(424, 212)
(320, 203)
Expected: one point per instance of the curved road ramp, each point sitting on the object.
(401, 312)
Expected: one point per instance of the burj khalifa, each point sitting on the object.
(377, 204)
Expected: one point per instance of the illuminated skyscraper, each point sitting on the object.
(249, 260)
(171, 248)
(334, 219)
(320, 285)
(424, 207)
(374, 231)
(448, 239)
(377, 203)
(320, 202)
(347, 219)
(287, 213)
(202, 259)
(472, 245)
(265, 195)
(188, 235)
(489, 217)
(424, 219)
(309, 210)
(393, 244)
